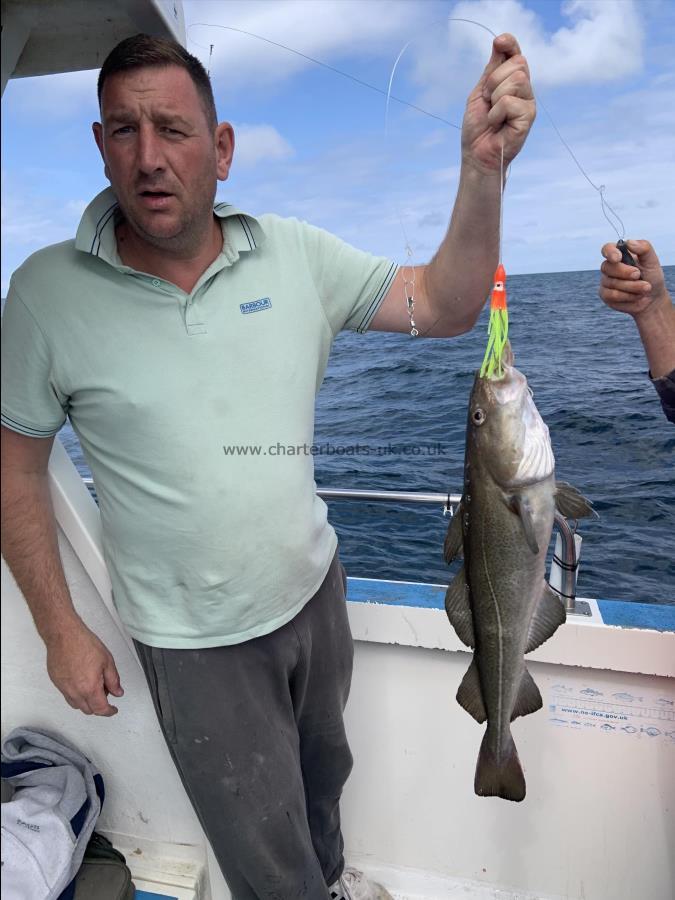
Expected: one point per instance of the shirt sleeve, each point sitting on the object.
(351, 283)
(31, 401)
(665, 388)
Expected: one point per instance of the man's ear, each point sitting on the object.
(224, 136)
(97, 128)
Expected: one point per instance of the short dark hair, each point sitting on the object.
(145, 51)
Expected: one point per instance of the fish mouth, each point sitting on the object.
(508, 359)
(526, 455)
(510, 387)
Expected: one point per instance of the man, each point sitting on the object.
(642, 293)
(168, 330)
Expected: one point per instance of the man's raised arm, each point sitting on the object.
(78, 663)
(450, 291)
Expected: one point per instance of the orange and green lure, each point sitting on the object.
(498, 328)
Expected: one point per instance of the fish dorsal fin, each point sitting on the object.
(571, 503)
(470, 694)
(521, 506)
(528, 699)
(454, 538)
(458, 608)
(549, 614)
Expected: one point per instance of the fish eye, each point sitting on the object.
(478, 416)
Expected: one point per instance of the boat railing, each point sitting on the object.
(565, 562)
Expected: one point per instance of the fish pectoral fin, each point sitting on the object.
(549, 614)
(453, 545)
(528, 699)
(521, 506)
(458, 608)
(571, 503)
(470, 694)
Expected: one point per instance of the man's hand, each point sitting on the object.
(82, 668)
(629, 289)
(500, 109)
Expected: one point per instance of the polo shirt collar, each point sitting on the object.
(96, 231)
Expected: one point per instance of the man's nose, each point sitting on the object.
(149, 156)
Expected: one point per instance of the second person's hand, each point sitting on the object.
(630, 289)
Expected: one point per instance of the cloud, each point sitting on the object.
(553, 218)
(30, 222)
(259, 143)
(337, 171)
(603, 43)
(326, 30)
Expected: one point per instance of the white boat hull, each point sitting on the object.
(597, 822)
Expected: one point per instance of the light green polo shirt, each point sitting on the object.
(205, 545)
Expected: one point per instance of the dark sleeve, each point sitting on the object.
(665, 388)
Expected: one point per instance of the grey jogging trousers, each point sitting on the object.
(256, 733)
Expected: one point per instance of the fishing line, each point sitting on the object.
(498, 327)
(599, 188)
(606, 208)
(604, 205)
(323, 65)
(498, 323)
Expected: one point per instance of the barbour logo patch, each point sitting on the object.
(255, 305)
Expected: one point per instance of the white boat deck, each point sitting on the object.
(403, 884)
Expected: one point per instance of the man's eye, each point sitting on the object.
(125, 129)
(172, 131)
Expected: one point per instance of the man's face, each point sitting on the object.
(161, 154)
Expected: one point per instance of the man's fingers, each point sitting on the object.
(620, 270)
(503, 48)
(84, 671)
(111, 680)
(98, 702)
(611, 252)
(518, 113)
(629, 289)
(507, 44)
(623, 302)
(645, 253)
(80, 702)
(632, 288)
(641, 250)
(92, 700)
(513, 76)
(497, 58)
(516, 85)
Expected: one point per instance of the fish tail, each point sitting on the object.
(499, 776)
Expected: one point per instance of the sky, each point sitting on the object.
(313, 144)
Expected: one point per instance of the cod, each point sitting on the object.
(500, 603)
